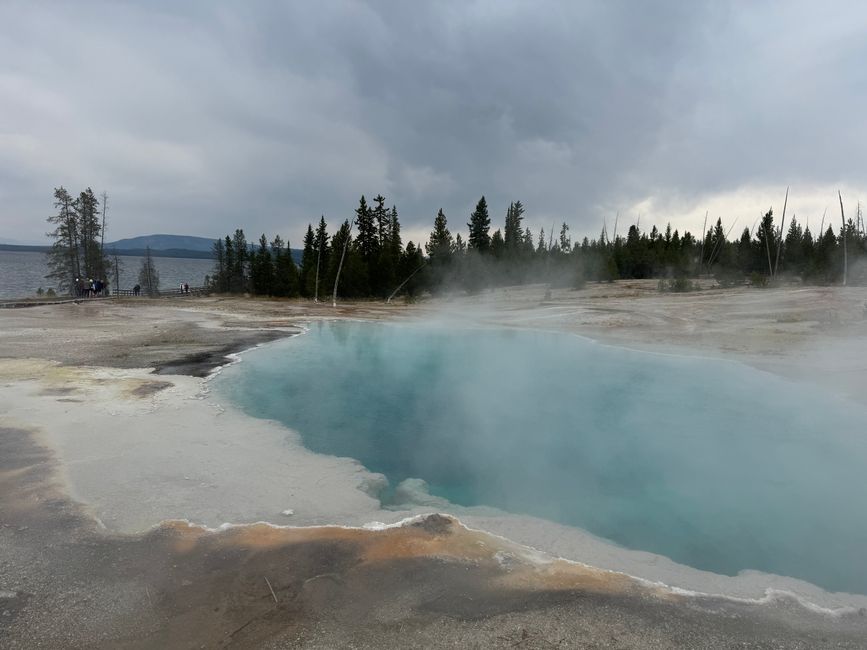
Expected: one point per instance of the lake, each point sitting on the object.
(22, 273)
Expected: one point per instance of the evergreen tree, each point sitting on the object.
(807, 252)
(765, 245)
(219, 277)
(230, 265)
(86, 208)
(307, 275)
(390, 252)
(238, 280)
(498, 245)
(348, 285)
(63, 258)
(565, 240)
(528, 246)
(745, 252)
(382, 220)
(322, 251)
(411, 261)
(395, 242)
(793, 248)
(367, 239)
(480, 225)
(262, 269)
(716, 248)
(514, 233)
(367, 244)
(460, 246)
(285, 272)
(440, 246)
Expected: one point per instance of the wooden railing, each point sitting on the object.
(164, 293)
(59, 300)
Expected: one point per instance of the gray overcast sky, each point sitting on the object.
(198, 117)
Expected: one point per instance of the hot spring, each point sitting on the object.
(713, 464)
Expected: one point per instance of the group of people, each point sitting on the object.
(184, 288)
(90, 288)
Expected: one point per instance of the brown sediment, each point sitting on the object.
(64, 582)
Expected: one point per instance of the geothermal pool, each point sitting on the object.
(712, 464)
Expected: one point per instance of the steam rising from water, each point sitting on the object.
(713, 464)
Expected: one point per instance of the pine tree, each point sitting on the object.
(306, 277)
(322, 251)
(480, 225)
(498, 245)
(63, 258)
(382, 219)
(514, 233)
(389, 264)
(542, 246)
(765, 245)
(285, 272)
(395, 242)
(367, 239)
(382, 270)
(744, 253)
(528, 246)
(239, 278)
(793, 248)
(717, 251)
(411, 261)
(262, 269)
(808, 253)
(219, 278)
(565, 240)
(86, 208)
(346, 287)
(230, 265)
(367, 243)
(440, 246)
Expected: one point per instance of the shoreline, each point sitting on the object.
(572, 544)
(137, 394)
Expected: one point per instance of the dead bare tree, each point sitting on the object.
(316, 285)
(859, 220)
(717, 248)
(116, 276)
(102, 231)
(340, 266)
(845, 251)
(755, 223)
(408, 278)
(782, 227)
(703, 235)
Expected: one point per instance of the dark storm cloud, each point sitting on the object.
(200, 117)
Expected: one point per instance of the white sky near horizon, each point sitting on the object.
(200, 117)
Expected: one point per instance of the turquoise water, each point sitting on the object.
(712, 464)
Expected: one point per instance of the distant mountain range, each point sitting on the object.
(185, 246)
(164, 243)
